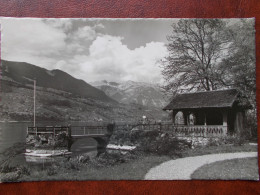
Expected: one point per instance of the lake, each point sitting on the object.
(14, 132)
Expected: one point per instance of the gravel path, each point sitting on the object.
(181, 169)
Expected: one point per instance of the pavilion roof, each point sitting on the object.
(206, 99)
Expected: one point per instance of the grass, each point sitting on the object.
(219, 149)
(244, 169)
(133, 170)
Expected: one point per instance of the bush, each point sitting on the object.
(6, 168)
(251, 124)
(61, 140)
(71, 165)
(112, 158)
(233, 140)
(140, 136)
(51, 171)
(83, 158)
(164, 145)
(24, 170)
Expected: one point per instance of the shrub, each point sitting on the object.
(10, 177)
(251, 124)
(112, 158)
(164, 145)
(6, 168)
(61, 140)
(24, 170)
(140, 136)
(83, 158)
(51, 171)
(233, 140)
(71, 164)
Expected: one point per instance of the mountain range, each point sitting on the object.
(61, 97)
(25, 73)
(131, 92)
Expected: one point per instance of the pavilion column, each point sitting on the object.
(224, 113)
(185, 117)
(205, 124)
(173, 116)
(239, 123)
(205, 119)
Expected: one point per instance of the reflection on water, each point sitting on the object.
(11, 133)
(14, 132)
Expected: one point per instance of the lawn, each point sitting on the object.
(244, 169)
(133, 170)
(219, 149)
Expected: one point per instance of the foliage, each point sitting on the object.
(251, 124)
(240, 65)
(51, 171)
(195, 49)
(164, 145)
(210, 54)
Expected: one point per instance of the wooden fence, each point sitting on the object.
(184, 130)
(193, 130)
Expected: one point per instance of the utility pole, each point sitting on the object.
(34, 99)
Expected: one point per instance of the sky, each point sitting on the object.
(90, 49)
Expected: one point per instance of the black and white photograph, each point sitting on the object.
(127, 99)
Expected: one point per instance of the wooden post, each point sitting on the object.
(173, 116)
(239, 126)
(205, 124)
(70, 141)
(224, 113)
(185, 117)
(34, 101)
(205, 119)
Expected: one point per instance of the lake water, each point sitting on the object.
(14, 132)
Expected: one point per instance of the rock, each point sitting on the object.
(84, 158)
(10, 177)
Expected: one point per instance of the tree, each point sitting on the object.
(209, 54)
(240, 66)
(196, 49)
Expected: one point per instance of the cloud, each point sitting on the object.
(31, 40)
(110, 59)
(86, 32)
(83, 50)
(62, 23)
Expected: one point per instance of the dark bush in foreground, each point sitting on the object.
(111, 158)
(230, 140)
(164, 144)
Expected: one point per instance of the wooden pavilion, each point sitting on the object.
(220, 111)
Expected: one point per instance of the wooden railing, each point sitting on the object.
(47, 130)
(192, 130)
(185, 130)
(69, 130)
(89, 130)
(197, 130)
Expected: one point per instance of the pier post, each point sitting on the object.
(70, 141)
